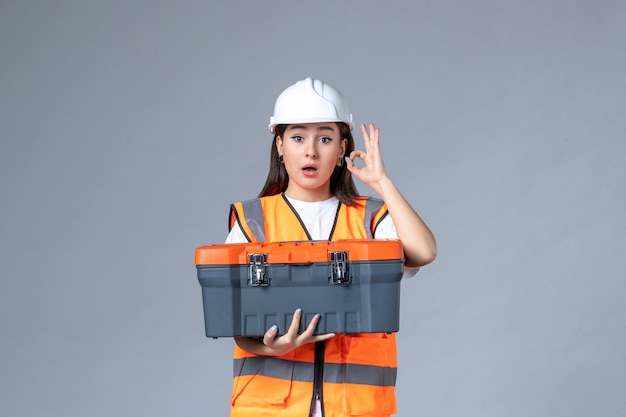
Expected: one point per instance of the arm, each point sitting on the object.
(418, 242)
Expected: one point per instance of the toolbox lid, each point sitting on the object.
(300, 251)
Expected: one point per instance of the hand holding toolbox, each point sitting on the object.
(353, 284)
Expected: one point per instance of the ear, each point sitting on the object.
(343, 146)
(279, 145)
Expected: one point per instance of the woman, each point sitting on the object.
(310, 194)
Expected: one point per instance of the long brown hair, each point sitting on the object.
(341, 183)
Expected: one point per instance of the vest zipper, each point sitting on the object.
(318, 377)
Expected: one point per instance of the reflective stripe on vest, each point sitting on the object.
(372, 206)
(254, 218)
(249, 216)
(337, 373)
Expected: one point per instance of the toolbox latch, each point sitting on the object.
(339, 266)
(257, 270)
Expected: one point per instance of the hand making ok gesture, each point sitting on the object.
(373, 172)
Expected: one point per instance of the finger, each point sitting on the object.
(366, 136)
(373, 129)
(322, 337)
(364, 132)
(353, 170)
(311, 327)
(270, 335)
(350, 165)
(357, 153)
(374, 135)
(295, 322)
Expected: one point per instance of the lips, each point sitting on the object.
(309, 169)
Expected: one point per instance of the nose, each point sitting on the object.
(311, 149)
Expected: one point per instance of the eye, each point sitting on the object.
(297, 138)
(326, 139)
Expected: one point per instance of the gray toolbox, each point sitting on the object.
(353, 284)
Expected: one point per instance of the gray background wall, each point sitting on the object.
(128, 127)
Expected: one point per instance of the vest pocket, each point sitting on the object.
(369, 384)
(254, 386)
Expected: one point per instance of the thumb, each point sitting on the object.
(349, 164)
(270, 335)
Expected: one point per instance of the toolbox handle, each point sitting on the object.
(257, 270)
(339, 267)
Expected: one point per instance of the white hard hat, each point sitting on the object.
(310, 101)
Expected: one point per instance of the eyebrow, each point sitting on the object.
(327, 128)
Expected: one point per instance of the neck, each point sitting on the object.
(308, 197)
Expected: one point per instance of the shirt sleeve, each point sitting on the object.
(387, 230)
(236, 235)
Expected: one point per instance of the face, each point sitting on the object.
(311, 151)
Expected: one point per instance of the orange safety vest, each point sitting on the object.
(359, 370)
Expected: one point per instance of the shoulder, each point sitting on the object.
(364, 199)
(254, 201)
(368, 203)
